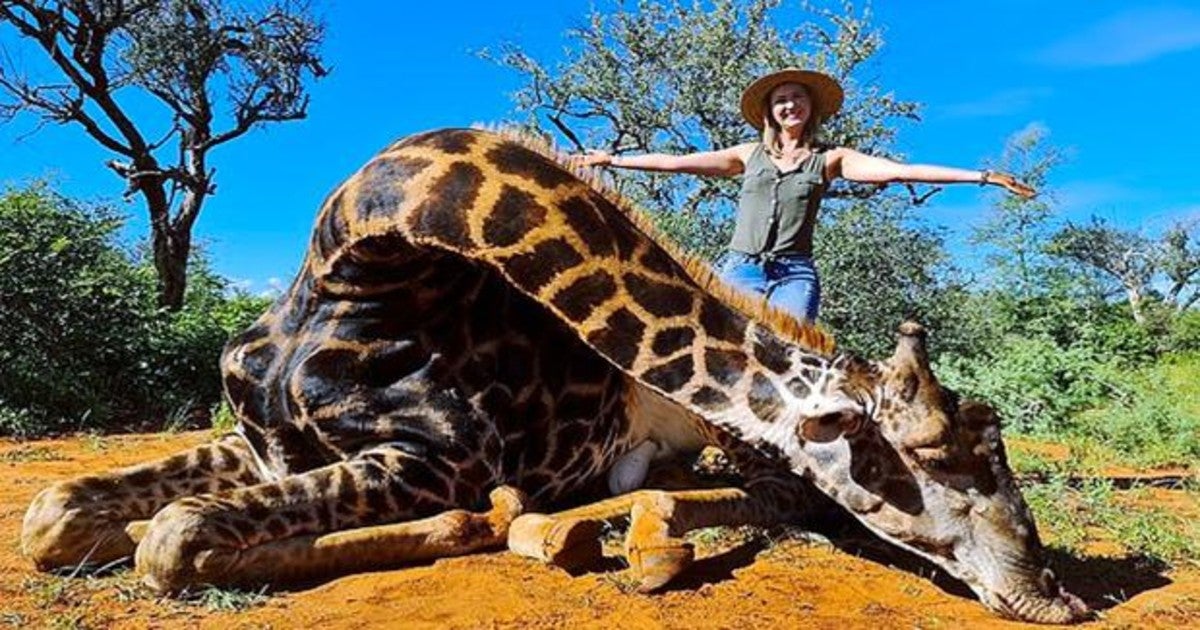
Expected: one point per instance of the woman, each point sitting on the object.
(784, 178)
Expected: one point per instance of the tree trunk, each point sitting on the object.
(171, 248)
(169, 241)
(1135, 304)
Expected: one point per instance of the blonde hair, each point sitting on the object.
(770, 130)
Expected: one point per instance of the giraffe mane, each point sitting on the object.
(809, 336)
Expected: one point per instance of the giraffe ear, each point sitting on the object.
(831, 426)
(976, 415)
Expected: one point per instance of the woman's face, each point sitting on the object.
(790, 106)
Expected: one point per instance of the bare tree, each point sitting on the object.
(1138, 264)
(216, 70)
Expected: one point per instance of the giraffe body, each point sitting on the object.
(476, 325)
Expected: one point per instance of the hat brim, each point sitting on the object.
(824, 90)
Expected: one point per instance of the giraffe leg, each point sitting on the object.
(656, 519)
(349, 517)
(98, 519)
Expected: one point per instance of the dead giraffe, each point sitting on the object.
(475, 323)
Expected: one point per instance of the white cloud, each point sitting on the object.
(999, 104)
(1127, 38)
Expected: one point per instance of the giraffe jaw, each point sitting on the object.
(1023, 594)
(987, 541)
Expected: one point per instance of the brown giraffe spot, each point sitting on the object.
(247, 398)
(379, 189)
(672, 375)
(477, 475)
(626, 240)
(344, 487)
(722, 323)
(331, 232)
(514, 159)
(531, 271)
(578, 300)
(657, 260)
(764, 399)
(569, 436)
(771, 353)
(300, 306)
(662, 300)
(203, 461)
(515, 215)
(376, 498)
(725, 366)
(619, 339)
(442, 215)
(536, 482)
(577, 406)
(456, 141)
(276, 528)
(142, 478)
(798, 387)
(710, 399)
(385, 247)
(672, 340)
(589, 225)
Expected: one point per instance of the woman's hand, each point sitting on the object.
(592, 158)
(1010, 184)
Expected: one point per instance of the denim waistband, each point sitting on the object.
(770, 256)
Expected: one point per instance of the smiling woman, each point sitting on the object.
(784, 177)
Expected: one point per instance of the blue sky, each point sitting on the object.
(1113, 82)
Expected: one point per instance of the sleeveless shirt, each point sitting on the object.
(776, 209)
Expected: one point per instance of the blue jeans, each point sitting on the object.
(789, 281)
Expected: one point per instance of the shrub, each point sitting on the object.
(1035, 384)
(82, 344)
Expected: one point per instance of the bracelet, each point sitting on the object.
(983, 177)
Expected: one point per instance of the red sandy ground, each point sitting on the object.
(784, 585)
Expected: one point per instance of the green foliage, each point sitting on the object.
(1183, 333)
(1074, 510)
(1034, 383)
(667, 76)
(1155, 417)
(1018, 229)
(879, 269)
(82, 343)
(202, 72)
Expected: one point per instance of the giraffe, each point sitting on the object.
(479, 335)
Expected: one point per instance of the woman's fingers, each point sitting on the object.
(1013, 186)
(592, 158)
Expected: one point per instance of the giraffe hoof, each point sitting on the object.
(572, 545)
(508, 503)
(657, 566)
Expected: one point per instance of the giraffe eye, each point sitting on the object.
(830, 426)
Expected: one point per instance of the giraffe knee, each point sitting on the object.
(171, 556)
(67, 525)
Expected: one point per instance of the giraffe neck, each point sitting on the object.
(579, 254)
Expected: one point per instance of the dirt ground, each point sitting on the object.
(783, 584)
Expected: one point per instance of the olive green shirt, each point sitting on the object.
(777, 210)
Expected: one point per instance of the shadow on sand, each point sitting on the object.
(1100, 581)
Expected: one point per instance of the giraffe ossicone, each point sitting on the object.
(480, 335)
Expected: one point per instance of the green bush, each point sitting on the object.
(1183, 332)
(1035, 384)
(1156, 419)
(82, 343)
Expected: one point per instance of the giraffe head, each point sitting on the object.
(928, 472)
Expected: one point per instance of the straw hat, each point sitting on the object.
(824, 90)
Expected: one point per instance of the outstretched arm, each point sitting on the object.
(859, 167)
(726, 162)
